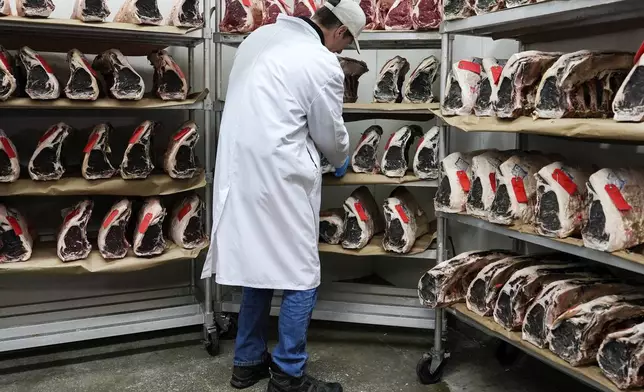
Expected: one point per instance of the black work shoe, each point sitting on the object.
(247, 376)
(282, 382)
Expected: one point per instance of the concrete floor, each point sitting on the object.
(362, 358)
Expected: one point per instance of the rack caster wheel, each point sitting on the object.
(231, 332)
(424, 370)
(506, 354)
(212, 342)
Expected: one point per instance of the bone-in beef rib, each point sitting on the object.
(486, 6)
(488, 86)
(462, 88)
(187, 226)
(170, 83)
(5, 8)
(185, 13)
(458, 9)
(621, 357)
(272, 9)
(41, 83)
(352, 69)
(629, 102)
(148, 236)
(394, 14)
(305, 8)
(91, 10)
(365, 156)
(34, 8)
(16, 243)
(112, 243)
(456, 182)
(180, 160)
(332, 226)
(395, 158)
(427, 14)
(45, 163)
(9, 160)
(137, 161)
(369, 9)
(83, 83)
(72, 242)
(484, 183)
(242, 16)
(425, 162)
(8, 75)
(363, 219)
(96, 154)
(123, 82)
(142, 12)
(405, 221)
(418, 88)
(390, 81)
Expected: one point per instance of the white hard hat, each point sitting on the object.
(349, 14)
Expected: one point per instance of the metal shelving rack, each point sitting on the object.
(349, 302)
(105, 313)
(549, 21)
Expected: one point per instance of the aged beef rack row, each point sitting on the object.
(458, 9)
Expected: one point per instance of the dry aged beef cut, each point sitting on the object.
(488, 86)
(180, 160)
(615, 201)
(576, 335)
(621, 357)
(483, 189)
(187, 226)
(486, 6)
(362, 219)
(242, 16)
(41, 83)
(418, 88)
(16, 243)
(306, 8)
(484, 290)
(148, 235)
(578, 84)
(8, 75)
(522, 288)
(365, 156)
(516, 191)
(394, 14)
(34, 8)
(72, 243)
(559, 296)
(9, 160)
(90, 10)
(628, 104)
(325, 165)
(369, 9)
(519, 81)
(448, 281)
(45, 163)
(395, 156)
(83, 82)
(390, 81)
(405, 221)
(427, 14)
(96, 154)
(352, 69)
(185, 13)
(123, 82)
(560, 208)
(272, 9)
(137, 161)
(425, 163)
(112, 243)
(5, 8)
(455, 172)
(458, 9)
(517, 3)
(462, 88)
(332, 226)
(142, 12)
(169, 82)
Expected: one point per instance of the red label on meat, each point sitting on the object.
(361, 214)
(639, 54)
(179, 71)
(420, 143)
(145, 223)
(493, 182)
(617, 198)
(15, 225)
(88, 65)
(313, 6)
(7, 147)
(136, 134)
(47, 134)
(71, 214)
(389, 141)
(110, 218)
(566, 183)
(246, 3)
(402, 213)
(186, 209)
(44, 64)
(364, 135)
(519, 190)
(181, 133)
(470, 66)
(91, 142)
(496, 73)
(5, 61)
(464, 180)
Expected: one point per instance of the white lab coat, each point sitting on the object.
(284, 103)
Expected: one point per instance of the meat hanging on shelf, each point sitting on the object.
(305, 8)
(621, 357)
(90, 10)
(273, 9)
(9, 160)
(96, 154)
(488, 86)
(112, 241)
(83, 83)
(457, 9)
(405, 221)
(72, 243)
(396, 154)
(427, 14)
(455, 172)
(137, 160)
(45, 163)
(16, 243)
(185, 13)
(425, 163)
(123, 82)
(187, 226)
(8, 75)
(486, 6)
(485, 167)
(41, 83)
(628, 104)
(390, 80)
(352, 69)
(332, 226)
(141, 12)
(242, 16)
(363, 219)
(365, 157)
(148, 236)
(418, 88)
(169, 81)
(34, 8)
(462, 87)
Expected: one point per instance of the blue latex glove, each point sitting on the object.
(341, 171)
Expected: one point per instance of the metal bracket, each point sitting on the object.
(209, 177)
(438, 357)
(207, 34)
(209, 319)
(207, 104)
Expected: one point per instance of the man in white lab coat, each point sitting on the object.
(284, 104)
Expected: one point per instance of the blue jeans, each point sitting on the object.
(295, 315)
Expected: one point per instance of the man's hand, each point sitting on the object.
(341, 171)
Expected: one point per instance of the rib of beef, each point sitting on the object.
(621, 357)
(142, 12)
(5, 8)
(395, 157)
(405, 221)
(628, 104)
(352, 69)
(112, 243)
(272, 9)
(169, 82)
(137, 162)
(574, 85)
(394, 14)
(448, 281)
(45, 163)
(365, 156)
(242, 16)
(90, 10)
(41, 83)
(185, 13)
(576, 335)
(180, 160)
(305, 8)
(8, 74)
(458, 9)
(96, 154)
(462, 87)
(187, 226)
(427, 14)
(362, 219)
(122, 80)
(34, 8)
(332, 226)
(425, 162)
(390, 81)
(369, 9)
(488, 86)
(16, 243)
(72, 242)
(83, 83)
(9, 160)
(418, 88)
(560, 208)
(455, 172)
(483, 188)
(148, 236)
(487, 6)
